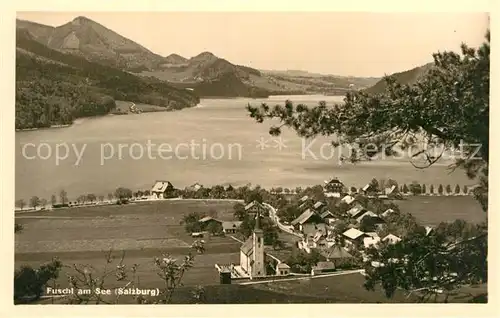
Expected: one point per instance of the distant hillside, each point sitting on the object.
(407, 77)
(53, 87)
(95, 42)
(205, 73)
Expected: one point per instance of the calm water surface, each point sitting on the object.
(214, 143)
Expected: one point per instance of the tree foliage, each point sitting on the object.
(447, 109)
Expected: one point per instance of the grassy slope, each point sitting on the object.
(407, 77)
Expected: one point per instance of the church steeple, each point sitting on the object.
(257, 222)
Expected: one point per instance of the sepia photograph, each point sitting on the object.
(178, 157)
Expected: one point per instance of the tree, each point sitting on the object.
(431, 189)
(63, 196)
(448, 189)
(448, 107)
(424, 189)
(20, 203)
(101, 198)
(91, 197)
(466, 190)
(354, 190)
(368, 224)
(405, 189)
(374, 186)
(53, 199)
(457, 189)
(110, 196)
(43, 202)
(190, 222)
(34, 202)
(239, 211)
(30, 283)
(123, 193)
(415, 188)
(440, 189)
(214, 228)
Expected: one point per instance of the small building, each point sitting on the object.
(304, 199)
(391, 239)
(371, 241)
(374, 216)
(356, 211)
(354, 236)
(323, 267)
(318, 206)
(206, 221)
(328, 217)
(337, 255)
(162, 189)
(348, 199)
(282, 269)
(387, 212)
(308, 216)
(224, 273)
(231, 227)
(195, 187)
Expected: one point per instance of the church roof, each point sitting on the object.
(247, 247)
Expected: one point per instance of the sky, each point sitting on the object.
(340, 43)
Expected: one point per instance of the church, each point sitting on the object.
(252, 255)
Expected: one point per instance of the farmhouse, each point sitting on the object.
(206, 221)
(162, 189)
(255, 207)
(308, 216)
(387, 212)
(374, 216)
(323, 267)
(231, 227)
(371, 241)
(337, 255)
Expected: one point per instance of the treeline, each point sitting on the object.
(55, 88)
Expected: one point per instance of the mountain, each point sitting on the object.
(91, 40)
(53, 87)
(407, 77)
(175, 59)
(206, 73)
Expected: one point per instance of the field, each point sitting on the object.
(142, 231)
(431, 210)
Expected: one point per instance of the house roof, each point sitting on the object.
(304, 198)
(247, 247)
(306, 215)
(387, 212)
(356, 210)
(348, 199)
(283, 266)
(326, 214)
(372, 234)
(318, 204)
(353, 233)
(161, 186)
(392, 238)
(366, 187)
(368, 241)
(228, 225)
(206, 219)
(390, 190)
(335, 252)
(311, 229)
(367, 213)
(254, 203)
(428, 230)
(324, 266)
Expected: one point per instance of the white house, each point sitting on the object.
(161, 189)
(391, 239)
(348, 199)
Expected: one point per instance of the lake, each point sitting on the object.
(213, 143)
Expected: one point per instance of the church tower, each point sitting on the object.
(258, 266)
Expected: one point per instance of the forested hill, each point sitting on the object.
(54, 88)
(407, 77)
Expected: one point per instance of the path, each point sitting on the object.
(281, 226)
(356, 271)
